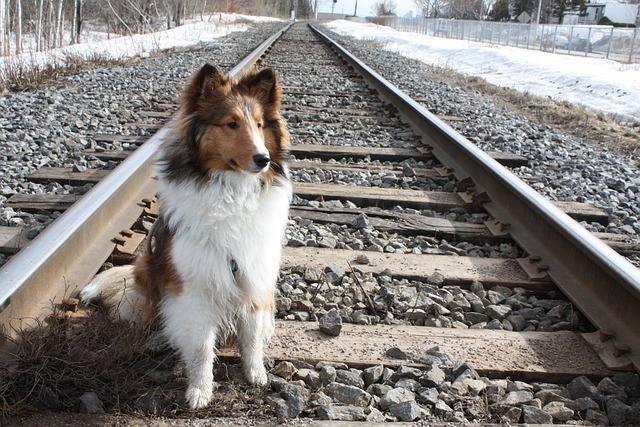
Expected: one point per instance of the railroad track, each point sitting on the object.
(418, 238)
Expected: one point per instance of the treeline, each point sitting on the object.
(47, 24)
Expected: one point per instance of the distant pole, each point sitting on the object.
(333, 6)
(538, 17)
(355, 11)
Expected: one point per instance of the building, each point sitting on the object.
(612, 13)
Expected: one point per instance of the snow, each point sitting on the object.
(193, 32)
(599, 84)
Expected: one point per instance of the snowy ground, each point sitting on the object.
(193, 32)
(599, 84)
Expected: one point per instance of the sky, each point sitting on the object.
(365, 7)
(599, 84)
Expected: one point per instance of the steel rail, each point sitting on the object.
(600, 282)
(66, 255)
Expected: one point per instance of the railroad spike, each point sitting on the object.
(620, 349)
(606, 334)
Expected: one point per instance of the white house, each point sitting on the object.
(617, 13)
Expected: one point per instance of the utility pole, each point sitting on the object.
(333, 6)
(538, 17)
(355, 11)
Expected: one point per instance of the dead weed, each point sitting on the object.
(62, 358)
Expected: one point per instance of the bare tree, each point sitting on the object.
(18, 29)
(384, 8)
(59, 26)
(6, 26)
(465, 9)
(430, 8)
(4, 17)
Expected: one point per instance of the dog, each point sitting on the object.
(224, 192)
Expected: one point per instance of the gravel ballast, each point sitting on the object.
(43, 128)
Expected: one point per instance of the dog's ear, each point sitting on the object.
(201, 85)
(265, 86)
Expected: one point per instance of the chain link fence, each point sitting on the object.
(620, 44)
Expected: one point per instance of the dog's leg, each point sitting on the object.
(254, 330)
(193, 335)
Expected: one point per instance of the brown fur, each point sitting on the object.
(267, 304)
(204, 144)
(155, 273)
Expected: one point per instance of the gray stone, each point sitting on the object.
(608, 387)
(596, 418)
(583, 387)
(533, 415)
(327, 374)
(512, 415)
(372, 374)
(341, 413)
(474, 317)
(319, 399)
(547, 396)
(284, 370)
(374, 415)
(518, 322)
(518, 397)
(395, 396)
(350, 377)
(397, 353)
(408, 383)
(434, 377)
(581, 404)
(310, 377)
(407, 372)
(313, 275)
(327, 242)
(442, 409)
(428, 395)
(361, 221)
(294, 401)
(331, 323)
(91, 403)
(630, 382)
(378, 390)
(498, 312)
(621, 414)
(558, 411)
(474, 387)
(406, 411)
(348, 394)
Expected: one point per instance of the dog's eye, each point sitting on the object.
(233, 125)
(260, 124)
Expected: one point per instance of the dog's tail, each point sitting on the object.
(116, 289)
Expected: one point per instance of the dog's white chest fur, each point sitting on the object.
(231, 221)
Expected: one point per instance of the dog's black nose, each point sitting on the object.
(261, 160)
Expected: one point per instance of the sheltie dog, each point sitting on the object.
(224, 194)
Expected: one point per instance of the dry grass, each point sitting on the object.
(20, 75)
(58, 361)
(597, 129)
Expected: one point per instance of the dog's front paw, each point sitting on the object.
(199, 397)
(256, 375)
